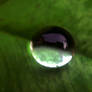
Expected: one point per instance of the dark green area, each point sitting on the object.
(19, 21)
(3, 2)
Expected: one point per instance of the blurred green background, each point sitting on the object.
(19, 21)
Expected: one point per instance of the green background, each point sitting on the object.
(19, 21)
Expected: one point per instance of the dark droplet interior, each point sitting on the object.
(54, 37)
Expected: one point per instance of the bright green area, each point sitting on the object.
(47, 54)
(18, 70)
(51, 57)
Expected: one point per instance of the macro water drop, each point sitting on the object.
(52, 47)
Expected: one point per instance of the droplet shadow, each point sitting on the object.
(24, 33)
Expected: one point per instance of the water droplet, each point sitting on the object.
(52, 47)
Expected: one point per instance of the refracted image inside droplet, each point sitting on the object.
(52, 47)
